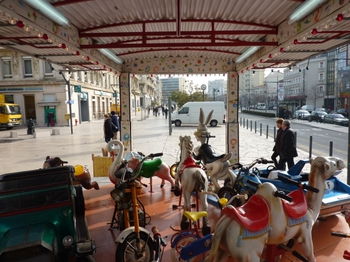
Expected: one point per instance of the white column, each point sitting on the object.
(125, 113)
(232, 131)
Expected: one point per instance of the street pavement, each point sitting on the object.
(321, 133)
(149, 136)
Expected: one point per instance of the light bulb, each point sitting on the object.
(12, 21)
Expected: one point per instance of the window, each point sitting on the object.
(184, 110)
(48, 70)
(321, 64)
(321, 77)
(6, 67)
(27, 67)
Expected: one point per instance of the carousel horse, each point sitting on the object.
(217, 163)
(264, 219)
(155, 167)
(192, 179)
(81, 174)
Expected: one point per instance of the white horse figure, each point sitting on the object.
(221, 170)
(286, 220)
(193, 179)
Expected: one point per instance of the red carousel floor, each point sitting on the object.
(99, 210)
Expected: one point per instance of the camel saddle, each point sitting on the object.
(206, 154)
(298, 207)
(253, 215)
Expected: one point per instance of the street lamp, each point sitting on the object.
(214, 91)
(203, 87)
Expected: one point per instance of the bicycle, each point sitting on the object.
(135, 243)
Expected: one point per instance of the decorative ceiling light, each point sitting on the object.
(304, 9)
(20, 24)
(49, 11)
(247, 53)
(12, 21)
(111, 55)
(340, 17)
(314, 31)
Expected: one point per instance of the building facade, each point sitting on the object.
(39, 89)
(170, 85)
(247, 81)
(217, 88)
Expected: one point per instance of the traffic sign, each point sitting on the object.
(77, 89)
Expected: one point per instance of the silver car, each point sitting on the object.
(302, 114)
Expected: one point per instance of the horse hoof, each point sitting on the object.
(185, 225)
(206, 230)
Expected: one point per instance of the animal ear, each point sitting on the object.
(201, 116)
(209, 117)
(226, 157)
(326, 166)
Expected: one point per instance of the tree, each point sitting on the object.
(198, 96)
(180, 98)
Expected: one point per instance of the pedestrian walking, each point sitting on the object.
(277, 147)
(115, 124)
(107, 128)
(288, 150)
(166, 111)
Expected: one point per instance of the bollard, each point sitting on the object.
(260, 129)
(240, 121)
(310, 147)
(251, 125)
(255, 127)
(295, 139)
(243, 123)
(274, 133)
(247, 123)
(330, 148)
(267, 131)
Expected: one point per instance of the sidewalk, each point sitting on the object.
(149, 136)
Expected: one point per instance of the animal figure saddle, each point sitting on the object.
(253, 215)
(207, 155)
(298, 207)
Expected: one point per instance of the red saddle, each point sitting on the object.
(298, 207)
(190, 162)
(253, 215)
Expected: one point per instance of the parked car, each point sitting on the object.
(302, 114)
(308, 108)
(343, 112)
(321, 109)
(337, 119)
(261, 106)
(317, 116)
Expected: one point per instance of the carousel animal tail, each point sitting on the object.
(220, 229)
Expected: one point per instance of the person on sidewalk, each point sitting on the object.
(115, 124)
(277, 147)
(107, 128)
(166, 111)
(288, 150)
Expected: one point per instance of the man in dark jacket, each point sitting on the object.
(107, 128)
(115, 124)
(288, 150)
(277, 148)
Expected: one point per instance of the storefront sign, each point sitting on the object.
(77, 89)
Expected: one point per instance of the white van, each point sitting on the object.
(189, 113)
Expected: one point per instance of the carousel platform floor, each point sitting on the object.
(99, 210)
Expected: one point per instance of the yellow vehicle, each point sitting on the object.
(10, 114)
(115, 108)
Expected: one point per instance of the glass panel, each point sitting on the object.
(48, 68)
(184, 110)
(6, 68)
(28, 70)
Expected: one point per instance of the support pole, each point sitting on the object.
(67, 80)
(267, 131)
(310, 147)
(169, 117)
(330, 148)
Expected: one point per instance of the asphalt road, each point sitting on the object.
(321, 137)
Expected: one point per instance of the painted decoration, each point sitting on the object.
(179, 65)
(232, 116)
(125, 132)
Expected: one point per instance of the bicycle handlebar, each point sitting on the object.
(155, 155)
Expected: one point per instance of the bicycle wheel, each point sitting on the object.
(131, 251)
(173, 169)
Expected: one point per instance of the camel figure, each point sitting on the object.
(192, 179)
(205, 153)
(221, 170)
(285, 221)
(162, 171)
